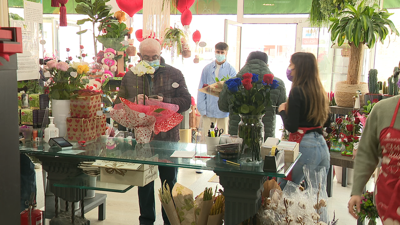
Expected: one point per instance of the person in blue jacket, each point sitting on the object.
(208, 104)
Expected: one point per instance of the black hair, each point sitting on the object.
(258, 55)
(222, 46)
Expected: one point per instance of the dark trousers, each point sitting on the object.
(146, 196)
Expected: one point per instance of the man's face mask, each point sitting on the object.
(155, 63)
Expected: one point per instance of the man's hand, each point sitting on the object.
(282, 107)
(140, 97)
(355, 200)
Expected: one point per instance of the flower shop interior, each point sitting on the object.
(77, 53)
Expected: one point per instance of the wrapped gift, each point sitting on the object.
(101, 125)
(291, 150)
(33, 101)
(81, 129)
(26, 117)
(126, 173)
(85, 105)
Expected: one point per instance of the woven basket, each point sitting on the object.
(344, 93)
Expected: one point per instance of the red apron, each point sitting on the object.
(297, 137)
(388, 183)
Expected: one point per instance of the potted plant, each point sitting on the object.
(362, 26)
(373, 87)
(321, 11)
(173, 38)
(98, 12)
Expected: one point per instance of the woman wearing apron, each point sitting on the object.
(303, 115)
(380, 138)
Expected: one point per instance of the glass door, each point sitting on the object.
(232, 36)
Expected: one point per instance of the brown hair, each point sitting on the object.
(222, 46)
(307, 79)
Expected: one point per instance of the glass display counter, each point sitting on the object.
(243, 184)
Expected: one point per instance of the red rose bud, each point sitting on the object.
(83, 55)
(350, 127)
(339, 120)
(375, 100)
(268, 78)
(246, 81)
(248, 86)
(205, 85)
(70, 58)
(68, 49)
(357, 120)
(81, 47)
(247, 76)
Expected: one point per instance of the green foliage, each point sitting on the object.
(373, 85)
(368, 209)
(252, 101)
(114, 36)
(322, 10)
(32, 86)
(225, 78)
(368, 108)
(14, 16)
(63, 86)
(361, 25)
(98, 12)
(173, 36)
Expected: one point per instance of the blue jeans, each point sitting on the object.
(315, 153)
(146, 196)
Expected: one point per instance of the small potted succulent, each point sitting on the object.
(373, 87)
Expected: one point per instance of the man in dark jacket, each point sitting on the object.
(166, 85)
(256, 63)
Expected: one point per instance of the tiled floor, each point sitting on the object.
(123, 209)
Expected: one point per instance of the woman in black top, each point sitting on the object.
(304, 114)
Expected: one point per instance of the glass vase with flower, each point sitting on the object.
(249, 97)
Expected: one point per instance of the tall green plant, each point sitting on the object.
(115, 35)
(373, 85)
(322, 10)
(98, 12)
(360, 26)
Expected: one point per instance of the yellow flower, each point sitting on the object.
(83, 69)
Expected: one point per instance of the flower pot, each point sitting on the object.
(386, 96)
(336, 146)
(344, 93)
(186, 53)
(61, 111)
(348, 150)
(251, 130)
(371, 98)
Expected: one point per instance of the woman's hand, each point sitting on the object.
(282, 107)
(355, 200)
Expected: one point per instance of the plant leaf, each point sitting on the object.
(82, 21)
(81, 32)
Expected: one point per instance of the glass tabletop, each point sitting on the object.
(154, 153)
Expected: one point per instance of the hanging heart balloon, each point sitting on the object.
(183, 5)
(139, 35)
(186, 17)
(130, 6)
(196, 38)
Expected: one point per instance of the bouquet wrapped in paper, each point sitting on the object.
(154, 116)
(206, 209)
(213, 89)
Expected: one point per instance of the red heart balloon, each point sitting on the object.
(130, 6)
(186, 17)
(139, 35)
(184, 4)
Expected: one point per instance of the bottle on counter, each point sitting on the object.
(51, 131)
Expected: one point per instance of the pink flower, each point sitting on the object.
(70, 58)
(81, 47)
(63, 66)
(51, 64)
(83, 55)
(68, 49)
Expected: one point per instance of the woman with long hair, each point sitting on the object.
(304, 114)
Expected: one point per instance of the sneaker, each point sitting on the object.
(199, 171)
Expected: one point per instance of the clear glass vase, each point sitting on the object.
(251, 130)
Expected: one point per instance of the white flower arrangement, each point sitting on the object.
(142, 68)
(76, 64)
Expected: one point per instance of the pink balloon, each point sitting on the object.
(130, 6)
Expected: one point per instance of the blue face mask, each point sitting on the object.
(219, 57)
(155, 63)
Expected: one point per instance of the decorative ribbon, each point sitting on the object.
(63, 13)
(111, 169)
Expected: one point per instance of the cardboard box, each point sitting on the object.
(26, 117)
(126, 173)
(85, 106)
(101, 125)
(267, 146)
(33, 100)
(291, 150)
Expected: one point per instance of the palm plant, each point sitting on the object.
(362, 26)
